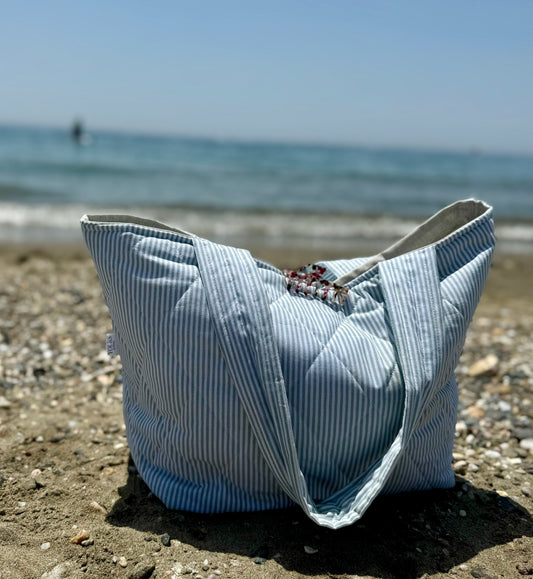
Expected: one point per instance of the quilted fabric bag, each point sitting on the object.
(249, 388)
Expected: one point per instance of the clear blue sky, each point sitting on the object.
(427, 73)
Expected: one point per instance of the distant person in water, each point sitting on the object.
(79, 134)
(77, 131)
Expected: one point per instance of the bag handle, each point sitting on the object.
(240, 313)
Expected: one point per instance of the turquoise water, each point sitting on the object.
(45, 176)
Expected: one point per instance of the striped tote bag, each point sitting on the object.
(249, 388)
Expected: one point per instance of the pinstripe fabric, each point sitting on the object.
(239, 395)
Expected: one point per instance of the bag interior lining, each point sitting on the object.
(436, 228)
(131, 220)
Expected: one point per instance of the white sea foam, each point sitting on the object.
(42, 223)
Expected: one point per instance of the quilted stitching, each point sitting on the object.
(202, 452)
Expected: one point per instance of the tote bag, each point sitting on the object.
(249, 388)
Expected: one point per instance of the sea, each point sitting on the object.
(249, 193)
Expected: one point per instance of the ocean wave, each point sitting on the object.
(44, 168)
(42, 223)
(282, 174)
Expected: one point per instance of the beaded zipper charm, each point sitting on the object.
(309, 281)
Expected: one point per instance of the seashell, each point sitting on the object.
(97, 508)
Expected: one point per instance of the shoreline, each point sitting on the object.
(509, 283)
(332, 231)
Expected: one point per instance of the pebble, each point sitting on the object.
(81, 536)
(45, 546)
(504, 406)
(310, 550)
(527, 443)
(122, 562)
(190, 568)
(259, 560)
(475, 411)
(460, 466)
(165, 539)
(61, 571)
(4, 402)
(461, 427)
(105, 380)
(499, 389)
(87, 542)
(492, 454)
(484, 367)
(142, 571)
(29, 484)
(526, 491)
(97, 508)
(522, 432)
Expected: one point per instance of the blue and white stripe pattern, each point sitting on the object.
(240, 395)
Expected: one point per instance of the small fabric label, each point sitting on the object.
(110, 344)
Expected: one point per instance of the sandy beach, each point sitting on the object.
(73, 505)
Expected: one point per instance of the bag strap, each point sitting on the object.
(240, 313)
